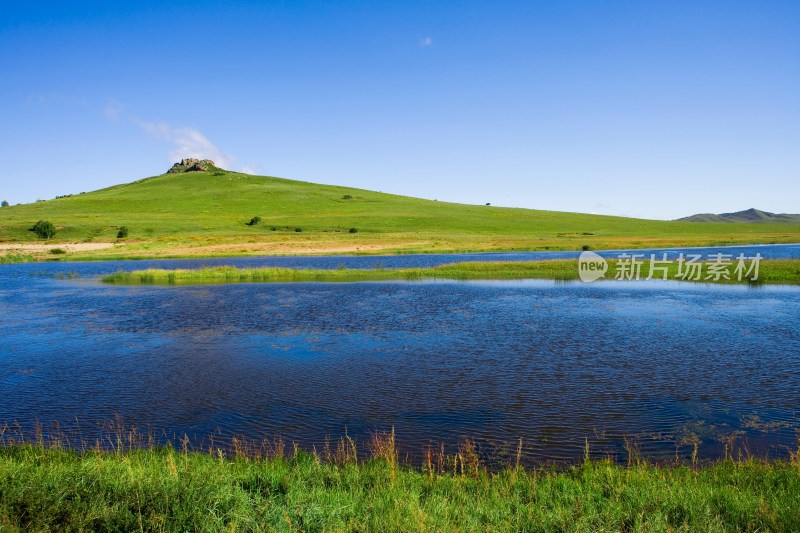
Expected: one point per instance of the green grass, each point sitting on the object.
(15, 257)
(206, 214)
(784, 271)
(161, 489)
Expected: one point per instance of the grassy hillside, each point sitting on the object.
(205, 213)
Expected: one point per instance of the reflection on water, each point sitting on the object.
(554, 363)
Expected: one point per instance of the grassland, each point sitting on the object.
(162, 489)
(776, 271)
(206, 214)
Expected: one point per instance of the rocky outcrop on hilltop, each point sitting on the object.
(192, 165)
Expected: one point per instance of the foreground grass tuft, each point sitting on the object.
(164, 489)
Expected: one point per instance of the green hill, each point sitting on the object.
(206, 213)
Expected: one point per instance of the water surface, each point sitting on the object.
(555, 363)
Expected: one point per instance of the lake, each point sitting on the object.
(662, 364)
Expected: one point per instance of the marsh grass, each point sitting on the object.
(15, 257)
(127, 481)
(771, 271)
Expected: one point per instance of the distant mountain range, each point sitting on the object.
(749, 215)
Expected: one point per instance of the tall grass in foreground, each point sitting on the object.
(771, 271)
(280, 488)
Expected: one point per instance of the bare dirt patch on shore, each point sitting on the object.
(293, 248)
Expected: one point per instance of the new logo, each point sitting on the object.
(591, 266)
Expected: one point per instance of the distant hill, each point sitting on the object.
(748, 215)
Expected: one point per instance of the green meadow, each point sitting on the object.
(207, 214)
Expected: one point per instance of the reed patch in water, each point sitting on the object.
(776, 271)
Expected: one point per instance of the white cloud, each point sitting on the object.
(187, 142)
(113, 109)
(425, 42)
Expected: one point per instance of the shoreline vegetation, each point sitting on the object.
(771, 271)
(45, 486)
(211, 247)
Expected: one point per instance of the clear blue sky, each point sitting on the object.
(651, 109)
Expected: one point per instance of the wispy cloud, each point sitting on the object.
(186, 142)
(56, 99)
(113, 109)
(425, 42)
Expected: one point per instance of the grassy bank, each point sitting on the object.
(786, 271)
(166, 490)
(10, 258)
(207, 214)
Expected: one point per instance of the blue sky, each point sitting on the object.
(650, 109)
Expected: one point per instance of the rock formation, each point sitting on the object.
(192, 165)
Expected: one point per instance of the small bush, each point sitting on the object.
(58, 251)
(254, 221)
(586, 247)
(353, 230)
(44, 229)
(274, 228)
(123, 232)
(4, 204)
(488, 203)
(298, 230)
(347, 197)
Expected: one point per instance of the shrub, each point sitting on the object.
(274, 228)
(298, 230)
(353, 230)
(123, 232)
(44, 229)
(4, 204)
(254, 221)
(488, 203)
(347, 197)
(57, 251)
(585, 247)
